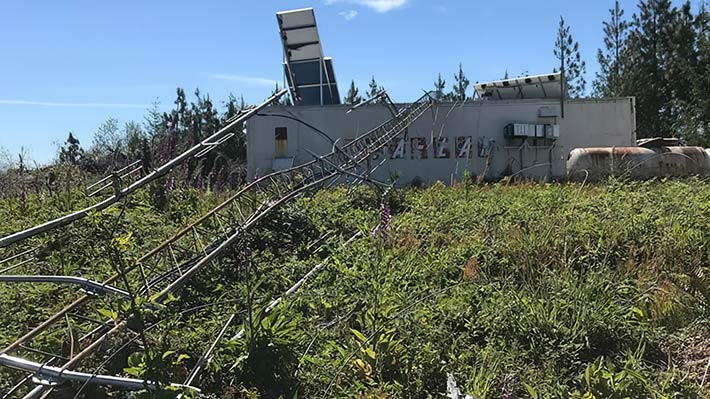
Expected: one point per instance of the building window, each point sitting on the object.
(281, 135)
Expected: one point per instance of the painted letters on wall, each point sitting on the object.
(485, 145)
(463, 146)
(396, 149)
(419, 148)
(441, 148)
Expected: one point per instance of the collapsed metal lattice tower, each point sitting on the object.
(170, 265)
(199, 150)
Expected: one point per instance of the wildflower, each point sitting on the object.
(385, 217)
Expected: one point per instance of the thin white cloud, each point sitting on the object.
(250, 80)
(377, 5)
(71, 104)
(348, 15)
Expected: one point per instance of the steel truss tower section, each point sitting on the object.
(169, 266)
(199, 150)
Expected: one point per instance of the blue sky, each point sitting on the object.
(70, 65)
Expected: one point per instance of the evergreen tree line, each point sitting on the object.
(162, 136)
(159, 137)
(457, 92)
(660, 56)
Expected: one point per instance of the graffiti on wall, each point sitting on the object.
(375, 154)
(485, 145)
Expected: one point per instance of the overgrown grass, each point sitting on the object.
(525, 290)
(522, 290)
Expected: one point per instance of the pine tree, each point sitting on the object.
(461, 82)
(133, 135)
(680, 55)
(353, 97)
(439, 87)
(108, 140)
(153, 123)
(570, 61)
(146, 156)
(232, 107)
(608, 79)
(5, 159)
(644, 66)
(235, 148)
(181, 117)
(702, 88)
(71, 152)
(689, 71)
(206, 115)
(204, 122)
(372, 88)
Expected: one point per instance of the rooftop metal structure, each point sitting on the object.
(309, 75)
(537, 86)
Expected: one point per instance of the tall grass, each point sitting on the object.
(518, 290)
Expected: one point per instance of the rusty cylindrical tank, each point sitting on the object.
(597, 163)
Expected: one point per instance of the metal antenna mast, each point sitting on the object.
(172, 264)
(200, 149)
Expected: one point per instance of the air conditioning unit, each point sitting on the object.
(552, 132)
(521, 130)
(540, 131)
(514, 130)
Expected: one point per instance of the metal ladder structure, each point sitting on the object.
(198, 150)
(166, 268)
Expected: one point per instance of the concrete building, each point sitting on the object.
(492, 138)
(517, 127)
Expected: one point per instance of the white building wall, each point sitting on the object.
(586, 123)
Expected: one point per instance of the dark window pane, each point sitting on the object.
(281, 133)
